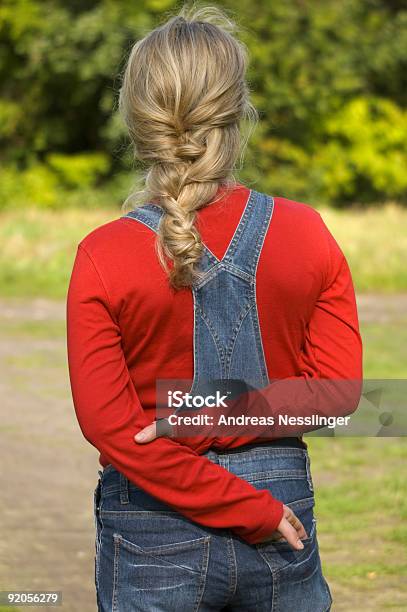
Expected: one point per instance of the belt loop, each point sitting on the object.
(124, 489)
(308, 469)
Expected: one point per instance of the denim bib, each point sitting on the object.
(227, 339)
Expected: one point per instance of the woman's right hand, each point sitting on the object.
(289, 529)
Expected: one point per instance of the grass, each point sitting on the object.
(374, 241)
(361, 494)
(39, 246)
(385, 354)
(361, 509)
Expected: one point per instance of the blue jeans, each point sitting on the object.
(150, 558)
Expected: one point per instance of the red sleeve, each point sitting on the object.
(331, 359)
(333, 345)
(329, 382)
(110, 414)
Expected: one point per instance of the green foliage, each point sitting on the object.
(36, 186)
(328, 78)
(367, 147)
(80, 170)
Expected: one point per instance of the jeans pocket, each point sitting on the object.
(284, 549)
(167, 576)
(297, 575)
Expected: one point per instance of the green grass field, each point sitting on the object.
(38, 247)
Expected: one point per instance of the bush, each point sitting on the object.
(367, 147)
(81, 170)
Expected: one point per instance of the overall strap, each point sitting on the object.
(246, 244)
(150, 215)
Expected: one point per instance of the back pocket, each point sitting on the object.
(298, 581)
(168, 576)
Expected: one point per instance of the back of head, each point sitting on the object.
(183, 97)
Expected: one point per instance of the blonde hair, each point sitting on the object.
(183, 97)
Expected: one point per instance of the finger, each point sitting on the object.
(147, 434)
(298, 526)
(291, 535)
(301, 533)
(276, 537)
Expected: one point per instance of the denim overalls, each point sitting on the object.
(150, 558)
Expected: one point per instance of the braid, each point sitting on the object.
(182, 98)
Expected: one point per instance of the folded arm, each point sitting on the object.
(109, 413)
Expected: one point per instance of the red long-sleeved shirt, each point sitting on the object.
(126, 328)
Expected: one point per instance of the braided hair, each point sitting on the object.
(182, 98)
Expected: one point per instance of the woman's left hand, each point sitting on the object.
(156, 429)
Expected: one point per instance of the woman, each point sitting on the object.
(205, 279)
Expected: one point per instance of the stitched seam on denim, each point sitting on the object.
(266, 561)
(228, 254)
(266, 452)
(276, 590)
(114, 490)
(153, 551)
(262, 233)
(270, 201)
(328, 592)
(124, 489)
(258, 340)
(228, 267)
(141, 513)
(134, 548)
(209, 275)
(277, 473)
(142, 218)
(236, 329)
(209, 254)
(116, 544)
(229, 353)
(241, 227)
(219, 349)
(195, 377)
(203, 574)
(302, 503)
(273, 478)
(251, 262)
(302, 580)
(311, 575)
(308, 469)
(208, 322)
(236, 271)
(232, 568)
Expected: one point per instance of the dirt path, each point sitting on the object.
(49, 471)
